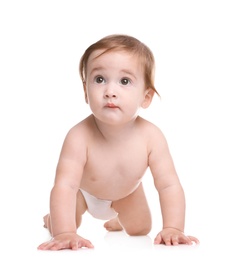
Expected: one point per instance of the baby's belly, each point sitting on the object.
(110, 188)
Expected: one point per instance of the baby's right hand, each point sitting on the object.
(66, 241)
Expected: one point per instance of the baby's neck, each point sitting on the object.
(115, 133)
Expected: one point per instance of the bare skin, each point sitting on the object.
(125, 217)
(108, 153)
(113, 225)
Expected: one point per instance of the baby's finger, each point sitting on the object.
(168, 241)
(194, 239)
(52, 245)
(43, 246)
(175, 240)
(158, 240)
(85, 243)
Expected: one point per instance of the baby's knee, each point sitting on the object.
(142, 230)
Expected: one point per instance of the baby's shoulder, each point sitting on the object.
(151, 131)
(81, 130)
(149, 127)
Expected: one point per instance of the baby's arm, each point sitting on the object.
(63, 196)
(171, 194)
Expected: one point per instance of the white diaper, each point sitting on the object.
(98, 208)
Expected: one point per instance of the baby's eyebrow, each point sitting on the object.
(128, 72)
(123, 71)
(96, 69)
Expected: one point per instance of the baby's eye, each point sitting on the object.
(99, 79)
(125, 81)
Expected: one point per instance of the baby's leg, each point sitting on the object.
(80, 208)
(133, 214)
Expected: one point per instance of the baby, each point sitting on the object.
(104, 157)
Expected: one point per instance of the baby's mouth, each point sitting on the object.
(111, 105)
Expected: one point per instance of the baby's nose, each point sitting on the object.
(110, 92)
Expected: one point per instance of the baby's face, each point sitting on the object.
(115, 88)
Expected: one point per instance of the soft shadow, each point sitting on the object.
(122, 240)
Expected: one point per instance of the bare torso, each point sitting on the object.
(114, 169)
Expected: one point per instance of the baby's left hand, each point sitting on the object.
(172, 236)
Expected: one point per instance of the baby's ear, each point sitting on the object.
(85, 92)
(149, 93)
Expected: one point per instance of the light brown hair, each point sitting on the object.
(126, 43)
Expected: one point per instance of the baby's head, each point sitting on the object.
(118, 42)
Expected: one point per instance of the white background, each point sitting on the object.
(41, 98)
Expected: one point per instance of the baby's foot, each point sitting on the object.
(46, 219)
(113, 225)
